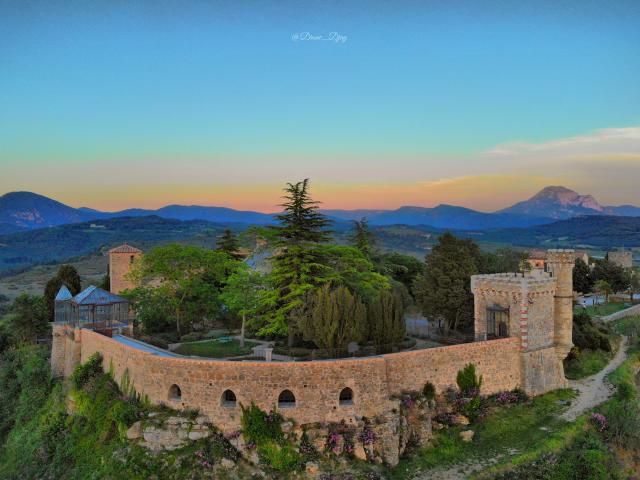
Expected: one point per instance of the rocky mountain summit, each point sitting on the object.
(561, 203)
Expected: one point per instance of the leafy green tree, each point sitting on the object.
(385, 318)
(188, 279)
(602, 287)
(615, 275)
(444, 289)
(362, 237)
(67, 275)
(297, 265)
(402, 268)
(28, 318)
(348, 266)
(153, 312)
(243, 295)
(582, 278)
(502, 260)
(228, 243)
(332, 318)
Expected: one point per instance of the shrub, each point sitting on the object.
(626, 391)
(468, 382)
(429, 391)
(472, 408)
(623, 418)
(192, 337)
(367, 435)
(510, 397)
(259, 426)
(84, 372)
(588, 334)
(281, 458)
(307, 449)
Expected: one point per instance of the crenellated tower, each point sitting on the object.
(536, 308)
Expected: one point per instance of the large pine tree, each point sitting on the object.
(297, 265)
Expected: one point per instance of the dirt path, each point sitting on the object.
(592, 391)
(595, 389)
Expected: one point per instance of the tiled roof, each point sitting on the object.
(96, 296)
(63, 294)
(125, 249)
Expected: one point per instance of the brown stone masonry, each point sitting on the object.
(316, 385)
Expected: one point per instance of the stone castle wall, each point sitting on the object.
(316, 385)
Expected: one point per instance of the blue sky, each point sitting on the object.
(416, 93)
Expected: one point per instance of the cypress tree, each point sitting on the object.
(385, 317)
(332, 318)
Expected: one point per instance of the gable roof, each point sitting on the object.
(93, 295)
(63, 294)
(125, 248)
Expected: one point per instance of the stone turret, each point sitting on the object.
(560, 264)
(121, 259)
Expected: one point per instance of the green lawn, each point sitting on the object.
(216, 349)
(517, 427)
(602, 310)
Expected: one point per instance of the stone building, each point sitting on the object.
(624, 258)
(536, 308)
(523, 331)
(120, 261)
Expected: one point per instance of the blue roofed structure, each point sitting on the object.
(92, 308)
(63, 294)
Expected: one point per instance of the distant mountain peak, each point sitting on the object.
(567, 197)
(559, 202)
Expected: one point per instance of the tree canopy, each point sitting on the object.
(444, 290)
(187, 279)
(298, 264)
(28, 319)
(66, 275)
(228, 243)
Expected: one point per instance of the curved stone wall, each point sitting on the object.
(315, 385)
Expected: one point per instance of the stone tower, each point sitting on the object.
(560, 264)
(536, 308)
(121, 259)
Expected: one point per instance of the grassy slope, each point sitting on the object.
(627, 372)
(506, 428)
(590, 362)
(46, 442)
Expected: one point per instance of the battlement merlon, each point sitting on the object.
(511, 281)
(561, 256)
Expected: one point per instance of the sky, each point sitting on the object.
(124, 104)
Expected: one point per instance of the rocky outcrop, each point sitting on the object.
(160, 434)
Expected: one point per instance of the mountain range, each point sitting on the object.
(25, 211)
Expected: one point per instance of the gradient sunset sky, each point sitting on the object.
(141, 104)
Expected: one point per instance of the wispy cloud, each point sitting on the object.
(613, 141)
